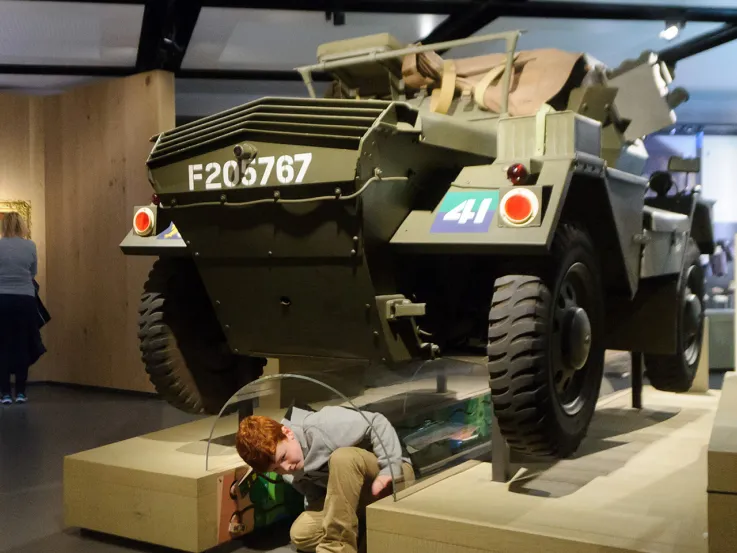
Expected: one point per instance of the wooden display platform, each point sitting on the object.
(153, 488)
(638, 484)
(723, 472)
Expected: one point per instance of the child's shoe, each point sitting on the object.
(6, 400)
(21, 398)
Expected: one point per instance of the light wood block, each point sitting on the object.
(638, 484)
(723, 441)
(722, 526)
(153, 488)
(722, 461)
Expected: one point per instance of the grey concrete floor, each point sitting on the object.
(58, 421)
(34, 438)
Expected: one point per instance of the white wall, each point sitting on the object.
(719, 176)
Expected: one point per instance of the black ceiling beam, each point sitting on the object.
(68, 70)
(124, 2)
(166, 30)
(464, 24)
(365, 6)
(698, 44)
(107, 71)
(533, 8)
(620, 12)
(248, 75)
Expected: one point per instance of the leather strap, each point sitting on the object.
(442, 98)
(479, 91)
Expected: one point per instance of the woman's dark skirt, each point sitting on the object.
(20, 335)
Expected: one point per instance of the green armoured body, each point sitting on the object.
(471, 214)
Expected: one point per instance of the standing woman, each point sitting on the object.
(20, 337)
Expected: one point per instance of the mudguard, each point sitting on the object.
(164, 240)
(567, 181)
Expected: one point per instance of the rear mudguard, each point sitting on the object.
(164, 240)
(607, 202)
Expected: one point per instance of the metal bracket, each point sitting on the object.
(403, 308)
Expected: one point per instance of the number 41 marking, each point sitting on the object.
(463, 212)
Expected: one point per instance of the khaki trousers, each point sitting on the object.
(333, 526)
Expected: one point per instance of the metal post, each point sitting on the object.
(511, 44)
(501, 470)
(245, 409)
(441, 382)
(636, 380)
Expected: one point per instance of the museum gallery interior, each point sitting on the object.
(379, 276)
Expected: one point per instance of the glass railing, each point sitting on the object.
(440, 411)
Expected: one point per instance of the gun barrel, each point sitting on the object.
(699, 44)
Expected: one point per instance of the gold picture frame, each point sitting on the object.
(22, 207)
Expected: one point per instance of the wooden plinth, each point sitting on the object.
(723, 472)
(153, 488)
(638, 484)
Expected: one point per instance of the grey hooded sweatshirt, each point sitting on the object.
(322, 432)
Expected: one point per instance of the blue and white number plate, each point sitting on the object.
(467, 211)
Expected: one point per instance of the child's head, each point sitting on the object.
(268, 446)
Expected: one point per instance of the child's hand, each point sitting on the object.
(381, 482)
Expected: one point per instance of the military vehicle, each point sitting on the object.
(490, 206)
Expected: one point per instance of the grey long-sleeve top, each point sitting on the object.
(18, 266)
(332, 427)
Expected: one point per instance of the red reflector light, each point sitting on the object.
(143, 221)
(519, 206)
(517, 173)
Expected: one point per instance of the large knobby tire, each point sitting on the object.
(182, 345)
(676, 373)
(546, 355)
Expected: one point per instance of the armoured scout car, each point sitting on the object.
(490, 206)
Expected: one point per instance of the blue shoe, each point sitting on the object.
(6, 400)
(21, 398)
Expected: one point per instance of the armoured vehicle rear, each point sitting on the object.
(490, 206)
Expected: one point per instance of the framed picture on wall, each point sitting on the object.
(21, 206)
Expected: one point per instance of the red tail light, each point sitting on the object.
(519, 206)
(517, 173)
(143, 221)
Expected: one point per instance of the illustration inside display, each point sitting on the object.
(451, 432)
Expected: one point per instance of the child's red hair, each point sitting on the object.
(256, 441)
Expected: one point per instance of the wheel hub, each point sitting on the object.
(576, 337)
(692, 317)
(572, 338)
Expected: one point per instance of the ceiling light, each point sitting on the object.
(427, 24)
(672, 30)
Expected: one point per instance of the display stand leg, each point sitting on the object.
(637, 380)
(501, 470)
(245, 409)
(441, 382)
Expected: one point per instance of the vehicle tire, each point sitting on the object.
(182, 345)
(676, 373)
(546, 354)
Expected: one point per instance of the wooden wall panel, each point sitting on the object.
(96, 145)
(22, 172)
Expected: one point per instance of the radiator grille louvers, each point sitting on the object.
(319, 122)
